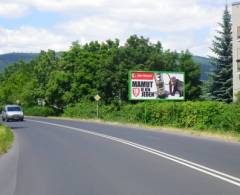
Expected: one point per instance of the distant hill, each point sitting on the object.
(205, 65)
(10, 58)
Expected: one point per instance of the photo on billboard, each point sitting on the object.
(156, 85)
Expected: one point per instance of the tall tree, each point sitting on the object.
(80, 73)
(192, 75)
(221, 86)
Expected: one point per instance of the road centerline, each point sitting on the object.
(200, 168)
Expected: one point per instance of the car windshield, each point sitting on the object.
(13, 109)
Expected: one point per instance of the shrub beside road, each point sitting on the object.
(199, 116)
(39, 111)
(208, 116)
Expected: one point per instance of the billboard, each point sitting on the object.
(156, 85)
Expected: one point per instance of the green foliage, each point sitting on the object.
(40, 111)
(84, 109)
(94, 68)
(228, 119)
(6, 138)
(192, 75)
(221, 88)
(197, 115)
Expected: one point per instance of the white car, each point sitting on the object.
(12, 112)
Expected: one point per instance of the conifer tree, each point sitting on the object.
(221, 88)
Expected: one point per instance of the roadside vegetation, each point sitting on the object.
(40, 111)
(63, 79)
(206, 116)
(6, 139)
(68, 82)
(199, 117)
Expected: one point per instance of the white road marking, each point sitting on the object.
(203, 169)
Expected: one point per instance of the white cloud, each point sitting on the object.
(178, 42)
(171, 16)
(94, 28)
(63, 5)
(12, 10)
(30, 39)
(104, 19)
(58, 5)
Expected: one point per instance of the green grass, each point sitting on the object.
(6, 139)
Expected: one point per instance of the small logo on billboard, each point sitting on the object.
(136, 92)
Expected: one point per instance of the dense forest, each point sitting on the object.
(93, 68)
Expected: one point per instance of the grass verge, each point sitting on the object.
(6, 139)
(206, 133)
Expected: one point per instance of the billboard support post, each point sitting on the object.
(145, 112)
(155, 85)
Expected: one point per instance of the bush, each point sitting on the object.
(40, 111)
(229, 119)
(85, 110)
(197, 115)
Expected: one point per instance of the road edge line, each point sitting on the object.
(200, 168)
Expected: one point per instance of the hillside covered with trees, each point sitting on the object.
(205, 66)
(10, 58)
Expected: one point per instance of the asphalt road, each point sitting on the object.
(61, 157)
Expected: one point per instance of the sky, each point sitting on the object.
(35, 25)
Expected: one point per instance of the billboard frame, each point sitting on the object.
(155, 71)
